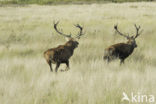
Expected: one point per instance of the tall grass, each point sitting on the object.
(45, 2)
(26, 32)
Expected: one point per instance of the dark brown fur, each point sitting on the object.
(60, 54)
(121, 50)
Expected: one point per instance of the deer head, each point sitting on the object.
(71, 40)
(131, 39)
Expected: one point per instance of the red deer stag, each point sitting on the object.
(62, 53)
(121, 50)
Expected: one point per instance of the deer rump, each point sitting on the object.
(120, 50)
(59, 54)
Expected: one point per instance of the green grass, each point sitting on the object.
(26, 32)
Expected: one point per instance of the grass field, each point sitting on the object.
(27, 31)
(56, 2)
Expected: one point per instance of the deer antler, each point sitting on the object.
(116, 28)
(137, 31)
(80, 33)
(55, 27)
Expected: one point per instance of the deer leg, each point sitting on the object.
(121, 61)
(67, 64)
(49, 63)
(107, 59)
(57, 66)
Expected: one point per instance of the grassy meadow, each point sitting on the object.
(27, 31)
(54, 2)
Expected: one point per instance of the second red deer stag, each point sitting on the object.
(62, 53)
(122, 50)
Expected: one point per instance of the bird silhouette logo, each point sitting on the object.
(125, 97)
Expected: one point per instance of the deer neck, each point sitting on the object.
(131, 47)
(70, 47)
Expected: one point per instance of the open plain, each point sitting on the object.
(27, 31)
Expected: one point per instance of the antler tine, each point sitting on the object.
(77, 25)
(55, 27)
(116, 28)
(136, 26)
(55, 23)
(80, 33)
(137, 30)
